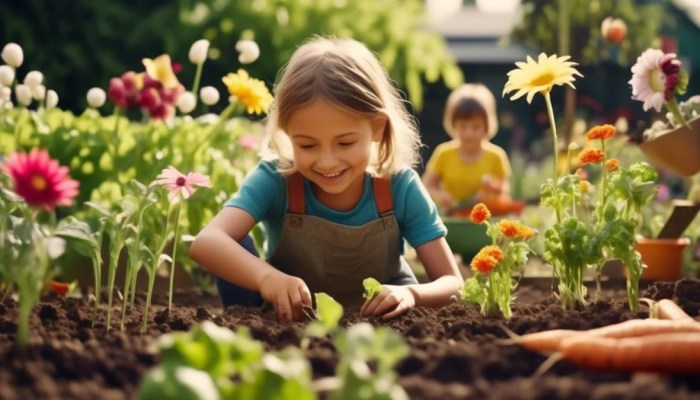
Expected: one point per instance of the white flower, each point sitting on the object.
(209, 95)
(8, 105)
(96, 97)
(186, 102)
(51, 99)
(23, 94)
(13, 55)
(198, 51)
(7, 75)
(5, 93)
(249, 51)
(33, 79)
(38, 92)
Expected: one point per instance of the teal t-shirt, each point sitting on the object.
(263, 195)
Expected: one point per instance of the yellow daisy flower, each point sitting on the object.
(161, 69)
(540, 76)
(252, 93)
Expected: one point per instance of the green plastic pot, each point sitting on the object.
(465, 237)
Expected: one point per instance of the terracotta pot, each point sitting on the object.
(663, 257)
(676, 150)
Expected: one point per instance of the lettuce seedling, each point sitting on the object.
(372, 288)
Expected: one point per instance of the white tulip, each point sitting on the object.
(209, 95)
(5, 93)
(198, 51)
(33, 79)
(186, 102)
(13, 55)
(249, 51)
(51, 99)
(96, 97)
(7, 75)
(38, 92)
(23, 94)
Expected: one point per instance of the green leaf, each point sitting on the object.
(329, 311)
(372, 287)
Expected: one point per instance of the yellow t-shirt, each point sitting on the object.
(463, 179)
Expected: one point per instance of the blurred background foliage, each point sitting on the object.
(83, 43)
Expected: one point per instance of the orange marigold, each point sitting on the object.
(525, 232)
(480, 213)
(591, 156)
(601, 132)
(487, 259)
(612, 164)
(508, 227)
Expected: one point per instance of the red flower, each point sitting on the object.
(612, 164)
(480, 213)
(487, 259)
(40, 181)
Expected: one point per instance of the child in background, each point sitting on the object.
(468, 168)
(337, 197)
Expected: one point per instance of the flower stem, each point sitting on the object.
(555, 140)
(223, 117)
(172, 263)
(672, 106)
(197, 77)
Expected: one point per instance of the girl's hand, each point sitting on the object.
(391, 302)
(288, 295)
(445, 200)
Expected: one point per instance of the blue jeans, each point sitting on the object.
(235, 295)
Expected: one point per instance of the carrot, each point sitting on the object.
(550, 341)
(667, 353)
(667, 309)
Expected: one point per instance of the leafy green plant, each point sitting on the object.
(494, 266)
(372, 288)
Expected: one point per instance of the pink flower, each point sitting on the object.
(655, 78)
(179, 183)
(40, 181)
(249, 142)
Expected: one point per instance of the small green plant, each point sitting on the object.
(372, 288)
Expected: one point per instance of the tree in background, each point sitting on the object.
(574, 27)
(83, 43)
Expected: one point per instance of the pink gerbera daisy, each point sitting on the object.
(40, 181)
(178, 183)
(655, 77)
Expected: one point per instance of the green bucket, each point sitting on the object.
(465, 237)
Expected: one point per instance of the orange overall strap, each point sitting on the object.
(382, 194)
(295, 193)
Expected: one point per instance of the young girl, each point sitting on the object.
(469, 166)
(337, 198)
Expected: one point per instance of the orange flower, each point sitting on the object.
(525, 232)
(601, 132)
(612, 164)
(508, 227)
(487, 259)
(591, 156)
(480, 213)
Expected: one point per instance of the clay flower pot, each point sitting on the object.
(663, 257)
(676, 150)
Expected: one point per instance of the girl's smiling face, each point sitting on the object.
(332, 148)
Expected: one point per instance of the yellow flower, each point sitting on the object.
(161, 69)
(540, 76)
(252, 93)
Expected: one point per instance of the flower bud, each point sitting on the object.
(198, 51)
(5, 93)
(7, 75)
(38, 92)
(248, 51)
(573, 146)
(209, 95)
(51, 99)
(33, 79)
(186, 102)
(613, 30)
(13, 55)
(8, 105)
(23, 94)
(96, 97)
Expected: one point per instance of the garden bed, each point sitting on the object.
(454, 354)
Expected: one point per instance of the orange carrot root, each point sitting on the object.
(665, 353)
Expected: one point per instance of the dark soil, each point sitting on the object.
(454, 353)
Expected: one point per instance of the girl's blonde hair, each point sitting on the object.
(348, 75)
(474, 93)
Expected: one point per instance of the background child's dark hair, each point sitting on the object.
(468, 101)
